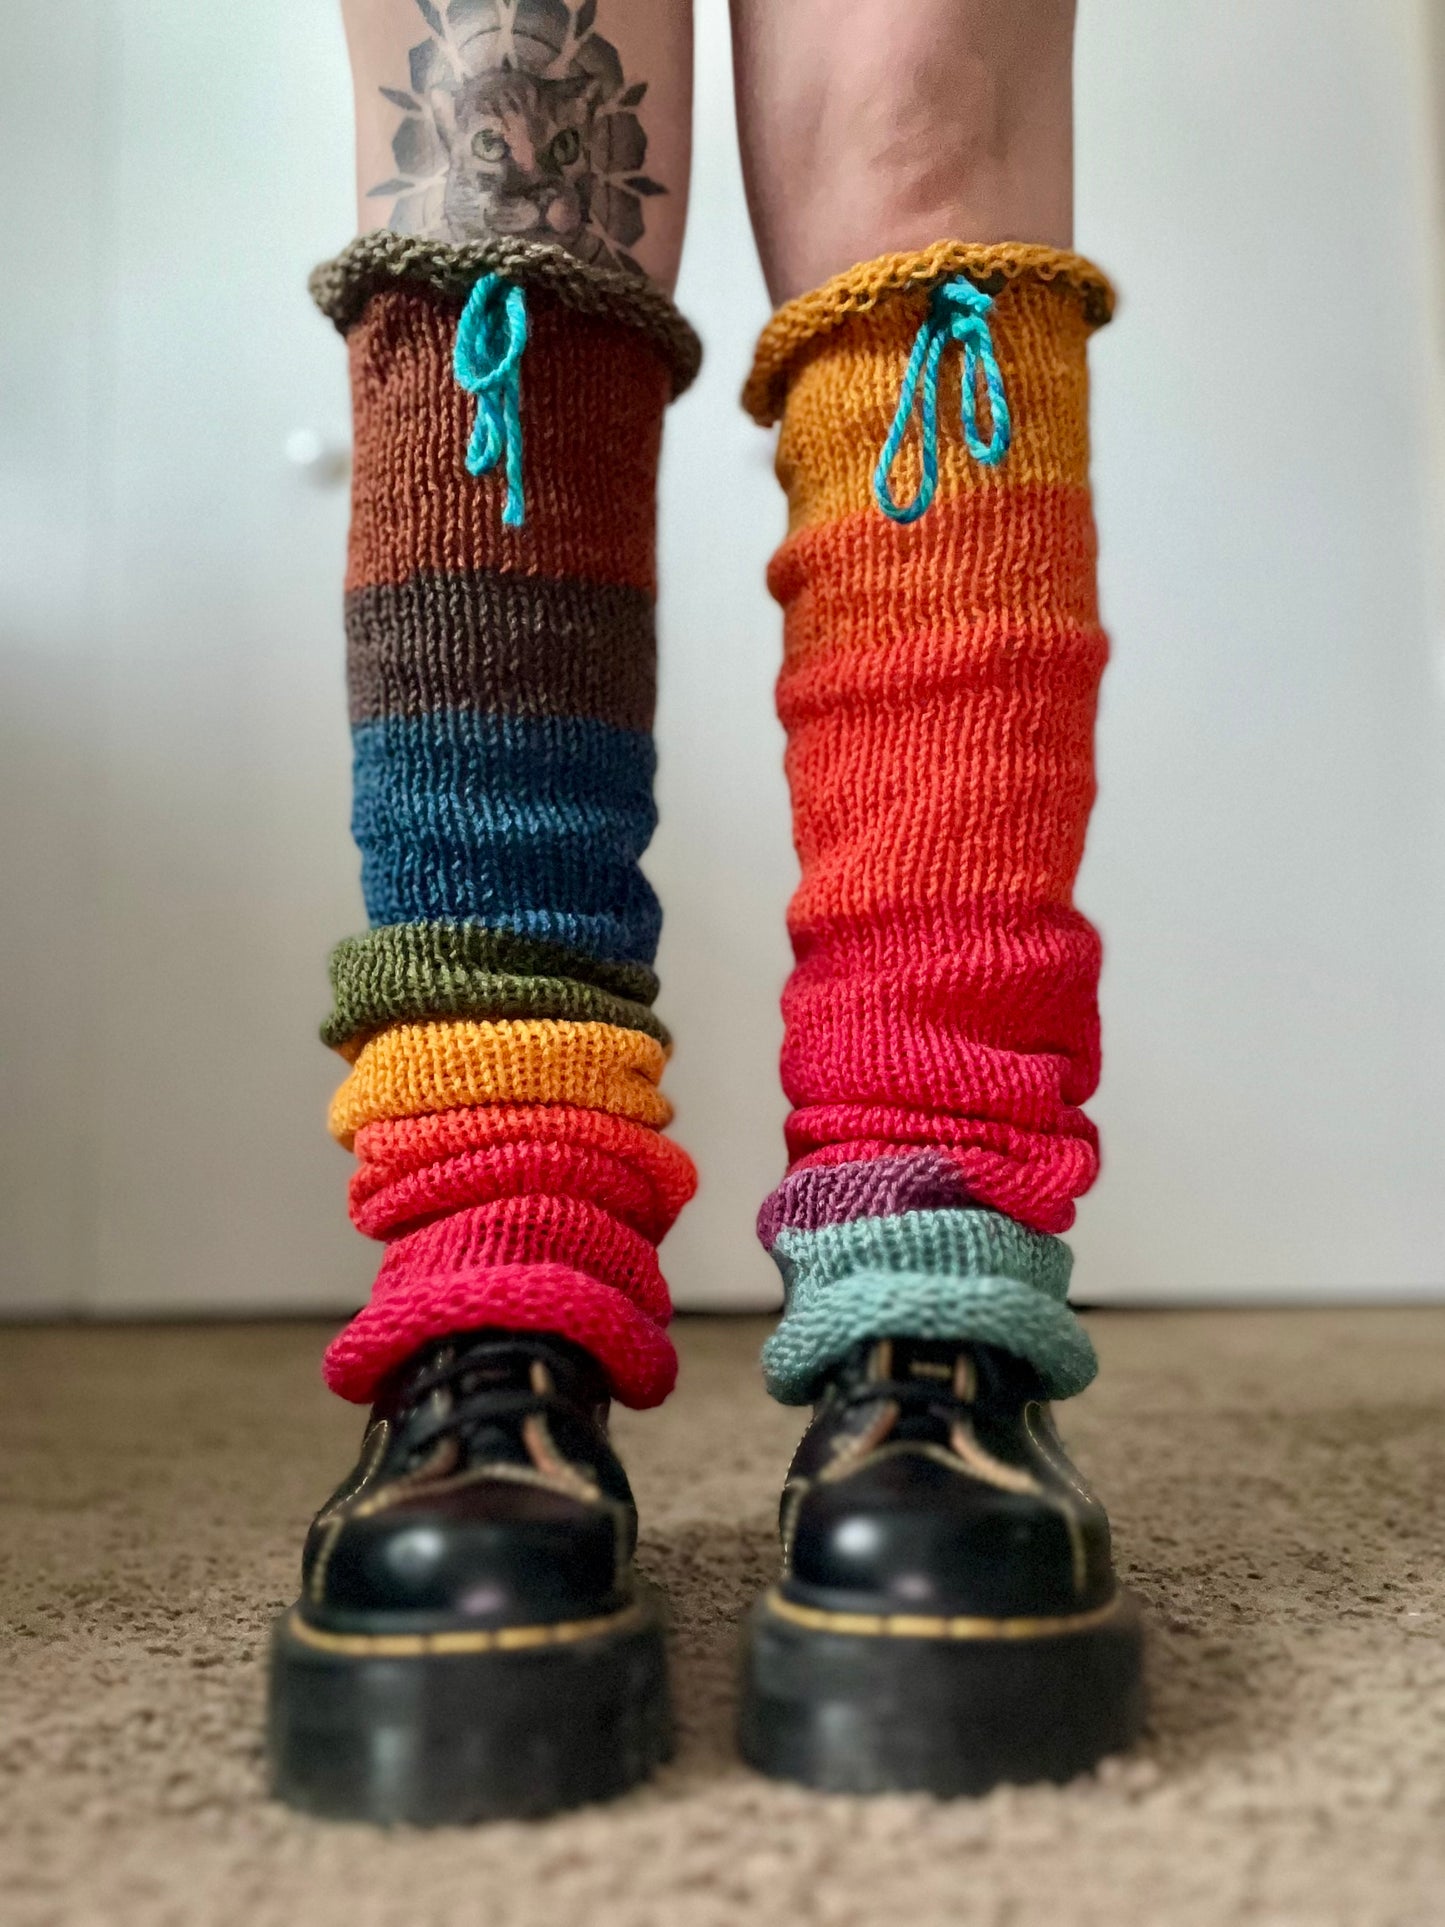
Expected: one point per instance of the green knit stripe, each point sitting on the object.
(823, 1323)
(412, 971)
(965, 1274)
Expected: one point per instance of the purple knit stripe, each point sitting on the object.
(872, 1188)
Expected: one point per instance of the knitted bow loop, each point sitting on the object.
(491, 335)
(957, 312)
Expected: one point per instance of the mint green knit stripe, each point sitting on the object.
(967, 1242)
(966, 1274)
(823, 1322)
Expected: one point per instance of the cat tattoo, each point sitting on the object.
(519, 121)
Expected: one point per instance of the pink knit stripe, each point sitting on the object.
(384, 1203)
(414, 1301)
(832, 1057)
(1032, 1176)
(536, 1231)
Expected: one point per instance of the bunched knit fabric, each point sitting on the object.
(938, 689)
(503, 1091)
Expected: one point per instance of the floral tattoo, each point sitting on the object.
(520, 121)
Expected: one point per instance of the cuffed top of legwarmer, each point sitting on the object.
(991, 266)
(342, 287)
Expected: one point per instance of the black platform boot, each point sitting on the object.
(947, 1615)
(472, 1641)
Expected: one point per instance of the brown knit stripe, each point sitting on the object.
(342, 287)
(512, 645)
(593, 396)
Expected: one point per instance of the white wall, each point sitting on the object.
(1266, 858)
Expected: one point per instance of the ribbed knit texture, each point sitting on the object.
(938, 690)
(503, 1093)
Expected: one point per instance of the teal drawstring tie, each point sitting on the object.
(487, 362)
(957, 312)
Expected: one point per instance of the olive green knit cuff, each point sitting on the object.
(342, 287)
(410, 972)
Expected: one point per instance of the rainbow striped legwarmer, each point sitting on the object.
(497, 1019)
(942, 656)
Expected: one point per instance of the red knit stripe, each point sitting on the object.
(980, 1005)
(393, 1150)
(382, 1206)
(418, 1296)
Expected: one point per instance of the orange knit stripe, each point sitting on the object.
(968, 813)
(593, 394)
(845, 393)
(1015, 560)
(416, 1068)
(391, 1148)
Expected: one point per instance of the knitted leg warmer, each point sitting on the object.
(503, 1093)
(942, 657)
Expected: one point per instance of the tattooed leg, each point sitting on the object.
(869, 127)
(556, 120)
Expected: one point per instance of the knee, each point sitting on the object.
(931, 119)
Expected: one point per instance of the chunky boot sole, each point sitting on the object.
(857, 1703)
(448, 1728)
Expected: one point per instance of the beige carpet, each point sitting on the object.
(1278, 1488)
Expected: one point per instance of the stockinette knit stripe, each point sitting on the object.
(1021, 562)
(412, 1068)
(965, 1242)
(592, 399)
(421, 1294)
(397, 1151)
(498, 998)
(823, 1324)
(541, 1229)
(809, 1199)
(400, 983)
(834, 1051)
(845, 393)
(1033, 1175)
(529, 824)
(962, 1273)
(526, 1168)
(376, 963)
(514, 645)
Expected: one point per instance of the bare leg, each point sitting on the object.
(869, 127)
(510, 125)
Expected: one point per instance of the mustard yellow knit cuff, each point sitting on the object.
(797, 326)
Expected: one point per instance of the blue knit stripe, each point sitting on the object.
(529, 824)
